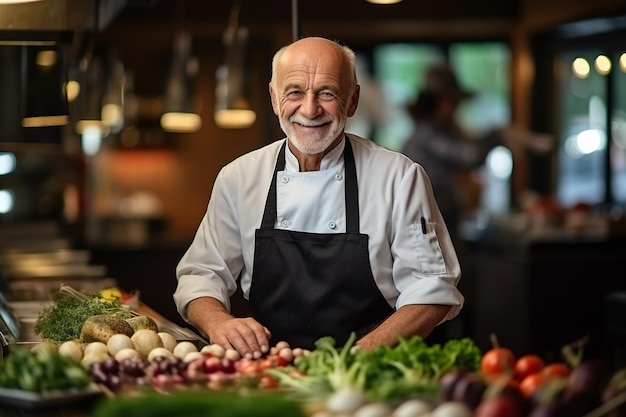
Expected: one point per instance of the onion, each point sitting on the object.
(96, 347)
(183, 348)
(71, 349)
(93, 357)
(452, 409)
(412, 408)
(169, 341)
(126, 353)
(345, 400)
(145, 340)
(192, 356)
(118, 342)
(214, 349)
(373, 410)
(159, 351)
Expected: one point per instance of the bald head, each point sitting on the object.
(320, 51)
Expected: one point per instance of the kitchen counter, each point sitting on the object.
(538, 294)
(26, 312)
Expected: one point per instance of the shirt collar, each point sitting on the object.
(330, 160)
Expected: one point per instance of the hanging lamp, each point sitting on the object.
(232, 106)
(180, 114)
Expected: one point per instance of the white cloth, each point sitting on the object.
(409, 267)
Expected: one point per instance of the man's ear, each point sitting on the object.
(354, 101)
(274, 100)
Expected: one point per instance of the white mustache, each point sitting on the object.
(309, 122)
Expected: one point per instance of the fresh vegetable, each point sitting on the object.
(169, 341)
(498, 361)
(145, 340)
(118, 342)
(183, 348)
(100, 328)
(71, 349)
(528, 364)
(41, 370)
(143, 322)
(384, 373)
(64, 320)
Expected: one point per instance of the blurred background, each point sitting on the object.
(118, 114)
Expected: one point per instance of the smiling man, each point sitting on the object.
(326, 233)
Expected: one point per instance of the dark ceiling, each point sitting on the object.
(269, 11)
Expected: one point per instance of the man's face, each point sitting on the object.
(312, 97)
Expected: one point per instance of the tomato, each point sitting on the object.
(531, 383)
(528, 364)
(267, 382)
(556, 370)
(497, 361)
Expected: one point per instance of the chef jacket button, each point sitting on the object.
(332, 225)
(284, 223)
(284, 179)
(338, 177)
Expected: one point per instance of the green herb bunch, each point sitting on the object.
(64, 319)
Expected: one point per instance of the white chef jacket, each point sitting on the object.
(411, 255)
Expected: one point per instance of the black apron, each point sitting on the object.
(309, 285)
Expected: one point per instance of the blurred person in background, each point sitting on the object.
(442, 147)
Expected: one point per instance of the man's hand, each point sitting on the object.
(246, 335)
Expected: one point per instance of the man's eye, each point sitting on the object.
(326, 95)
(294, 94)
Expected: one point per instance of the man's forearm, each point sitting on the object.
(407, 321)
(205, 313)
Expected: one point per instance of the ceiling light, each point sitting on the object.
(181, 114)
(383, 1)
(232, 107)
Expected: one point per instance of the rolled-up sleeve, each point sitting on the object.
(212, 262)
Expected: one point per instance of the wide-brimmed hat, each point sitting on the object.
(440, 80)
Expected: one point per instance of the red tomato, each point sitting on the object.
(529, 385)
(497, 361)
(268, 382)
(528, 364)
(556, 370)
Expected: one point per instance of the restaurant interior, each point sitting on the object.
(118, 114)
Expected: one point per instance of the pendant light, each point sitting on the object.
(232, 107)
(180, 114)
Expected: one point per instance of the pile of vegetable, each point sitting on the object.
(42, 369)
(65, 318)
(386, 373)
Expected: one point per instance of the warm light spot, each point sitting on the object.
(46, 58)
(72, 89)
(622, 62)
(602, 64)
(581, 68)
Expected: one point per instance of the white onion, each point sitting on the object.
(118, 342)
(169, 341)
(183, 348)
(71, 349)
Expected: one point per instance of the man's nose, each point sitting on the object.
(310, 105)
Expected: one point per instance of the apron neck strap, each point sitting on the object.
(351, 190)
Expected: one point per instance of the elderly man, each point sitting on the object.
(327, 233)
